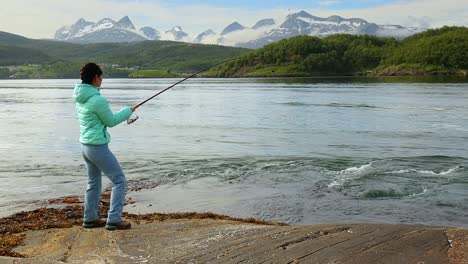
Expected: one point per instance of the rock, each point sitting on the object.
(226, 241)
(49, 235)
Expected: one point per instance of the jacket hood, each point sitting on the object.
(83, 92)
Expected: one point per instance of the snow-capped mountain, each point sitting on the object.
(66, 33)
(303, 23)
(176, 33)
(105, 30)
(265, 31)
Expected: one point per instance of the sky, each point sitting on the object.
(42, 18)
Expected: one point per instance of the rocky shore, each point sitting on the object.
(50, 235)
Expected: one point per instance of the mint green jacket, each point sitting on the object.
(95, 115)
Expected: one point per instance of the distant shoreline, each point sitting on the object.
(460, 75)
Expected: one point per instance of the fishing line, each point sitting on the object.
(135, 117)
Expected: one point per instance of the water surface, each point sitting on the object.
(293, 150)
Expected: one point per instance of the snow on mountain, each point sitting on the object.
(176, 33)
(105, 30)
(303, 23)
(67, 32)
(265, 31)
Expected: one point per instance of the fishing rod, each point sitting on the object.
(135, 118)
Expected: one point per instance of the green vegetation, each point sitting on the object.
(438, 51)
(10, 55)
(54, 59)
(441, 51)
(413, 69)
(55, 70)
(4, 73)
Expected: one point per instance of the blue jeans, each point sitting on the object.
(99, 159)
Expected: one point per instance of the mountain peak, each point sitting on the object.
(202, 36)
(232, 27)
(81, 22)
(105, 30)
(176, 33)
(358, 20)
(303, 14)
(264, 22)
(265, 31)
(335, 19)
(150, 33)
(66, 32)
(125, 22)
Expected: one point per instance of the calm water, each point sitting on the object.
(299, 151)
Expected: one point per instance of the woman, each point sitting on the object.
(95, 116)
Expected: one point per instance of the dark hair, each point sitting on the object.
(88, 71)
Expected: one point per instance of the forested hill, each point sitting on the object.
(29, 58)
(437, 51)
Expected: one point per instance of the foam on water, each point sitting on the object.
(349, 174)
(447, 172)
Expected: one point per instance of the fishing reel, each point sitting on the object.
(132, 119)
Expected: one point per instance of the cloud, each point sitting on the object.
(41, 18)
(211, 39)
(49, 15)
(396, 32)
(422, 22)
(245, 35)
(426, 13)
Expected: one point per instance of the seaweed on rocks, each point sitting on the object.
(152, 217)
(12, 228)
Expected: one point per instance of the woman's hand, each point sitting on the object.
(133, 108)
